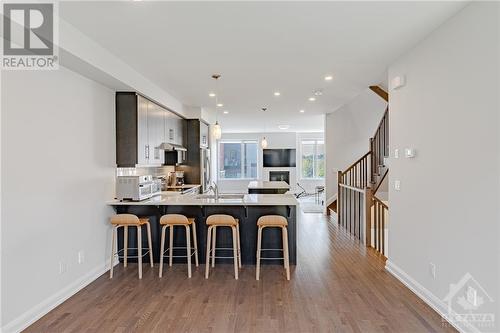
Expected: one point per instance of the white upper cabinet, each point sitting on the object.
(156, 133)
(143, 147)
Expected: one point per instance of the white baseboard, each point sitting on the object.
(423, 293)
(41, 309)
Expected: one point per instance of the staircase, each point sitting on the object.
(359, 210)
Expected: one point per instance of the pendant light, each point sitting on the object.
(217, 128)
(263, 142)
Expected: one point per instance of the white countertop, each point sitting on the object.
(268, 185)
(194, 200)
(185, 186)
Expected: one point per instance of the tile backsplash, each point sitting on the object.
(154, 171)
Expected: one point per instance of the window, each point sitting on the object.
(237, 160)
(312, 158)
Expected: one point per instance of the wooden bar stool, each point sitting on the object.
(172, 220)
(273, 221)
(220, 220)
(125, 221)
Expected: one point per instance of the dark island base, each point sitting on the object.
(247, 216)
(267, 190)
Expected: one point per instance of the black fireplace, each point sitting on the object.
(280, 175)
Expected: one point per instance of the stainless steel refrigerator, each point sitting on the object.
(206, 178)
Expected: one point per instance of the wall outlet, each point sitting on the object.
(81, 257)
(472, 295)
(432, 270)
(62, 267)
(397, 185)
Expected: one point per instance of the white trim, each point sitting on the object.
(330, 200)
(424, 294)
(41, 309)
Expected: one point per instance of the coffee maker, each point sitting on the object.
(176, 178)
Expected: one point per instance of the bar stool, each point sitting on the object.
(125, 221)
(172, 220)
(273, 221)
(221, 220)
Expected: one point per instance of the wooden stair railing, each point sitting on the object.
(379, 145)
(359, 211)
(377, 229)
(352, 184)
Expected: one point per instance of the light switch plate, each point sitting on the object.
(396, 153)
(409, 152)
(397, 185)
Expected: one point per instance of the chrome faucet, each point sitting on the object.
(215, 189)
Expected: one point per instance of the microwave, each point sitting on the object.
(137, 188)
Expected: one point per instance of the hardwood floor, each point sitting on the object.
(337, 286)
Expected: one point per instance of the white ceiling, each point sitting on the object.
(259, 48)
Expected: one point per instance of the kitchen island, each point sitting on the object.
(268, 187)
(246, 208)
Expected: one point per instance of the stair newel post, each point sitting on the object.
(339, 195)
(368, 216)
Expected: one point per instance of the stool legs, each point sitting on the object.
(188, 249)
(139, 249)
(150, 245)
(171, 246)
(259, 242)
(235, 253)
(286, 261)
(284, 232)
(207, 261)
(125, 245)
(111, 262)
(114, 233)
(214, 233)
(162, 249)
(193, 226)
(211, 240)
(239, 244)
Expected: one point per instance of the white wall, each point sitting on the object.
(447, 211)
(347, 133)
(275, 141)
(58, 164)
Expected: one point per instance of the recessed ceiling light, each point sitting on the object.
(318, 93)
(211, 94)
(277, 93)
(226, 112)
(328, 77)
(312, 99)
(302, 111)
(284, 127)
(220, 105)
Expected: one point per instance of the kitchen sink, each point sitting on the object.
(221, 196)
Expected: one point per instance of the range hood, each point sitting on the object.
(171, 147)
